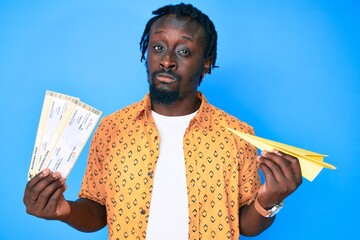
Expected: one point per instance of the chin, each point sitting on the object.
(163, 95)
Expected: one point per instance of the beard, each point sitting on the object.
(162, 95)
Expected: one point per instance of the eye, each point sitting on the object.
(184, 52)
(158, 48)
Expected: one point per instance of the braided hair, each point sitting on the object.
(189, 11)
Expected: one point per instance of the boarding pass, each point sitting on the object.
(64, 127)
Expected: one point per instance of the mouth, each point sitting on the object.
(165, 78)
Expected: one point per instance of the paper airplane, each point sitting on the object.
(311, 163)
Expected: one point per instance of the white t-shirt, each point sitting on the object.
(168, 218)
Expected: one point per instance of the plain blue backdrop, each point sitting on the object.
(289, 68)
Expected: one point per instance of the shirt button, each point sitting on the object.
(151, 174)
(156, 138)
(142, 212)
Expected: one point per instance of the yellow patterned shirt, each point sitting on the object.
(221, 171)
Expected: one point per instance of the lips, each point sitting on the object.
(166, 78)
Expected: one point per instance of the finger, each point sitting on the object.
(271, 167)
(33, 182)
(292, 162)
(277, 161)
(270, 178)
(54, 199)
(46, 193)
(36, 192)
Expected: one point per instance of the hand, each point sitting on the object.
(282, 177)
(44, 196)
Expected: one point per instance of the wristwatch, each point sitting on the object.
(270, 212)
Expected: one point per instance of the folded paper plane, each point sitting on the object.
(311, 163)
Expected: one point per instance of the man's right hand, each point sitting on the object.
(44, 196)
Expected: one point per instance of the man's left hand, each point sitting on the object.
(282, 177)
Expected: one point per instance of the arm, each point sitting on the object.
(282, 177)
(86, 215)
(44, 198)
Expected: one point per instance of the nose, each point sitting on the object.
(168, 61)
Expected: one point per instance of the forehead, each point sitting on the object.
(184, 25)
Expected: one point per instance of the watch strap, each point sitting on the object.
(267, 213)
(260, 209)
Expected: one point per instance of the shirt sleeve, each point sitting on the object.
(92, 186)
(249, 180)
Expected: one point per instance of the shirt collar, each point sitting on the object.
(143, 109)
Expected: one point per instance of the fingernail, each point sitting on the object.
(277, 152)
(257, 164)
(56, 174)
(44, 172)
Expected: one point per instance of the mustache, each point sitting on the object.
(166, 71)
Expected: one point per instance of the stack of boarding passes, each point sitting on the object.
(65, 125)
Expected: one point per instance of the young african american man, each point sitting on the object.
(166, 167)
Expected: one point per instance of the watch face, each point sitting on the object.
(274, 210)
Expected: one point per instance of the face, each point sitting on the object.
(175, 58)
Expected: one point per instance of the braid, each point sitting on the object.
(189, 11)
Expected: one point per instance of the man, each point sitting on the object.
(166, 167)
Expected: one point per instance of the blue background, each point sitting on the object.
(289, 68)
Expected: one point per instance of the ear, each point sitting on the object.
(207, 66)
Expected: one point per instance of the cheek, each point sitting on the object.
(149, 65)
(152, 60)
(148, 71)
(193, 68)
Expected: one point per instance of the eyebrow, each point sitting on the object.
(188, 38)
(185, 37)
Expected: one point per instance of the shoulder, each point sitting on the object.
(121, 117)
(226, 119)
(215, 116)
(121, 113)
